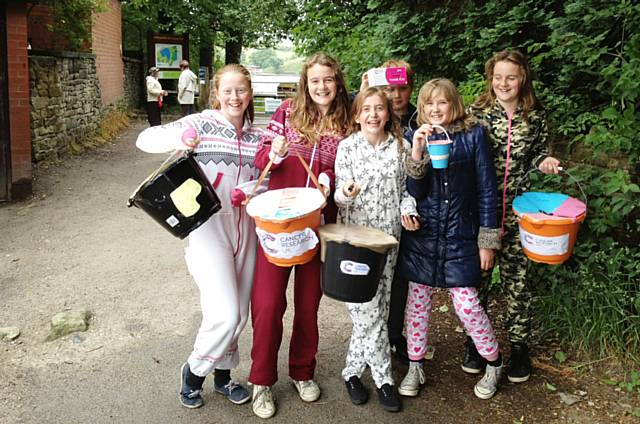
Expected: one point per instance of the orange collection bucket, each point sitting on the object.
(548, 225)
(548, 240)
(287, 221)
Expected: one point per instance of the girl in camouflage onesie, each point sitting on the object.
(517, 130)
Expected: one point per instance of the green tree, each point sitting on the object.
(72, 20)
(267, 59)
(229, 23)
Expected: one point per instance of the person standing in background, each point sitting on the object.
(154, 96)
(186, 88)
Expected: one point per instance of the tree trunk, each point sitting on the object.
(206, 61)
(233, 48)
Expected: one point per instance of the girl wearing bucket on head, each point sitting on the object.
(517, 130)
(309, 126)
(371, 191)
(456, 203)
(221, 252)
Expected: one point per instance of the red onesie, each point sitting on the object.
(268, 299)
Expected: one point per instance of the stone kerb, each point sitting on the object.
(65, 101)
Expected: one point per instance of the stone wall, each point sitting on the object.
(133, 82)
(65, 101)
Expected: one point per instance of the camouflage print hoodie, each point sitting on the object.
(528, 145)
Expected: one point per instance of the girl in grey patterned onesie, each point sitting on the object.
(370, 182)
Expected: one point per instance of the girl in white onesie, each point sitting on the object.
(221, 253)
(370, 181)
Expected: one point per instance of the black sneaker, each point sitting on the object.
(399, 348)
(357, 392)
(190, 388)
(388, 398)
(519, 368)
(472, 363)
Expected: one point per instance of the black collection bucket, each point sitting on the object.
(351, 273)
(179, 174)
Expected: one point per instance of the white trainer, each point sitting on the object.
(308, 390)
(264, 405)
(412, 382)
(488, 385)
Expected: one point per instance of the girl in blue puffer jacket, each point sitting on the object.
(458, 234)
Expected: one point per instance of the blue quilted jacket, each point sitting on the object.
(453, 204)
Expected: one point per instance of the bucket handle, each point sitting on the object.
(185, 153)
(443, 130)
(266, 169)
(560, 168)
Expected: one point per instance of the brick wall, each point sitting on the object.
(107, 47)
(20, 133)
(39, 19)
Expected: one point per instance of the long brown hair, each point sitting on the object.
(460, 120)
(306, 117)
(249, 113)
(528, 99)
(392, 126)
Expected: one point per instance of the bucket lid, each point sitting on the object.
(554, 204)
(358, 235)
(285, 203)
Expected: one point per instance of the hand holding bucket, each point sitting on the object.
(439, 150)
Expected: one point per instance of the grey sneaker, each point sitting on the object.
(308, 390)
(264, 405)
(234, 392)
(488, 385)
(412, 382)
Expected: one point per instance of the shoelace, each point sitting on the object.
(264, 396)
(305, 384)
(490, 376)
(421, 377)
(194, 394)
(231, 386)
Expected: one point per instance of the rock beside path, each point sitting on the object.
(9, 333)
(68, 322)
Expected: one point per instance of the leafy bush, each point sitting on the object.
(593, 300)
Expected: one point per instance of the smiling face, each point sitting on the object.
(234, 95)
(322, 87)
(506, 82)
(437, 109)
(400, 96)
(373, 117)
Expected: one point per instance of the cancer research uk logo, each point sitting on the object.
(287, 245)
(354, 268)
(544, 245)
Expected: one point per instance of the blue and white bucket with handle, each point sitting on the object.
(439, 150)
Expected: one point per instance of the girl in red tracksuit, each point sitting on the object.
(311, 125)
